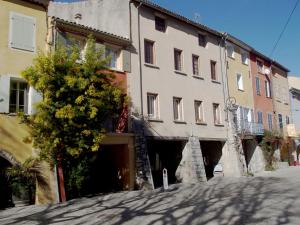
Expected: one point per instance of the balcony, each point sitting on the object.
(249, 128)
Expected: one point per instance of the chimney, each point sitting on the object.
(77, 17)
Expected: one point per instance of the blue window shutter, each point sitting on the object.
(22, 32)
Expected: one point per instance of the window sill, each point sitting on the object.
(116, 70)
(180, 72)
(216, 82)
(201, 123)
(151, 65)
(231, 57)
(246, 64)
(242, 90)
(179, 122)
(219, 125)
(198, 77)
(155, 120)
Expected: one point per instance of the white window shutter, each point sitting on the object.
(22, 33)
(4, 93)
(33, 98)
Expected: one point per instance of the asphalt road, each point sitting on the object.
(270, 198)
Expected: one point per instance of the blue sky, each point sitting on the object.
(256, 22)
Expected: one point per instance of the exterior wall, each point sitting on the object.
(163, 80)
(235, 65)
(281, 99)
(294, 83)
(96, 14)
(261, 102)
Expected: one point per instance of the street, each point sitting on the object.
(269, 198)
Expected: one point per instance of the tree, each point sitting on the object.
(78, 98)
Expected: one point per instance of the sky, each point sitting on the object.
(256, 22)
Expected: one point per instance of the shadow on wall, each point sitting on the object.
(243, 201)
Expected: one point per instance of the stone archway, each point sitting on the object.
(6, 160)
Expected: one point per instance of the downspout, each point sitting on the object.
(140, 62)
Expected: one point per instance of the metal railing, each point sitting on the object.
(251, 128)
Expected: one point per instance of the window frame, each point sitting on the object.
(155, 106)
(260, 119)
(270, 121)
(157, 24)
(18, 81)
(178, 67)
(257, 85)
(230, 46)
(213, 70)
(199, 111)
(244, 53)
(267, 89)
(152, 53)
(178, 109)
(117, 54)
(280, 121)
(197, 63)
(202, 39)
(240, 82)
(217, 114)
(260, 69)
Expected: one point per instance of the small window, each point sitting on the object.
(216, 113)
(213, 70)
(22, 32)
(280, 121)
(195, 59)
(113, 56)
(202, 40)
(152, 104)
(18, 98)
(270, 121)
(287, 120)
(244, 56)
(199, 111)
(149, 52)
(267, 89)
(178, 59)
(160, 24)
(178, 109)
(230, 51)
(257, 85)
(259, 118)
(239, 80)
(260, 66)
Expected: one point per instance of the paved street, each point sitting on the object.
(271, 198)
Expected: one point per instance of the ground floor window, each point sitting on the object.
(18, 96)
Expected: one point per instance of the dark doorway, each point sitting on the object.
(5, 187)
(164, 154)
(211, 152)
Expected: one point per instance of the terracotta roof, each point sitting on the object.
(40, 2)
(103, 34)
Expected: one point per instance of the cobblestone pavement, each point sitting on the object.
(270, 198)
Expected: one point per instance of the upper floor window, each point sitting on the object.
(178, 59)
(202, 40)
(287, 120)
(195, 60)
(260, 117)
(267, 89)
(160, 24)
(260, 66)
(244, 57)
(257, 85)
(280, 122)
(149, 52)
(216, 113)
(152, 105)
(239, 80)
(18, 98)
(199, 111)
(113, 56)
(270, 121)
(22, 32)
(230, 51)
(213, 71)
(177, 109)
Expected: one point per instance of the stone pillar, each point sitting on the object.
(191, 168)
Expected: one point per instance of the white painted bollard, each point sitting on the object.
(165, 179)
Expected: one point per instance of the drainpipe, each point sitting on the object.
(140, 61)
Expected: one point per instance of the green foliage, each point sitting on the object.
(270, 142)
(78, 97)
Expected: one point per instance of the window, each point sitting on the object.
(149, 52)
(260, 66)
(239, 80)
(178, 59)
(230, 51)
(213, 70)
(160, 24)
(287, 120)
(199, 111)
(244, 56)
(195, 59)
(18, 98)
(257, 85)
(270, 121)
(177, 109)
(217, 113)
(152, 104)
(267, 89)
(202, 40)
(22, 32)
(280, 121)
(113, 56)
(259, 117)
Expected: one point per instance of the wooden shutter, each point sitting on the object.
(126, 60)
(22, 32)
(4, 93)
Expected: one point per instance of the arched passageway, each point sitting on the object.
(5, 188)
